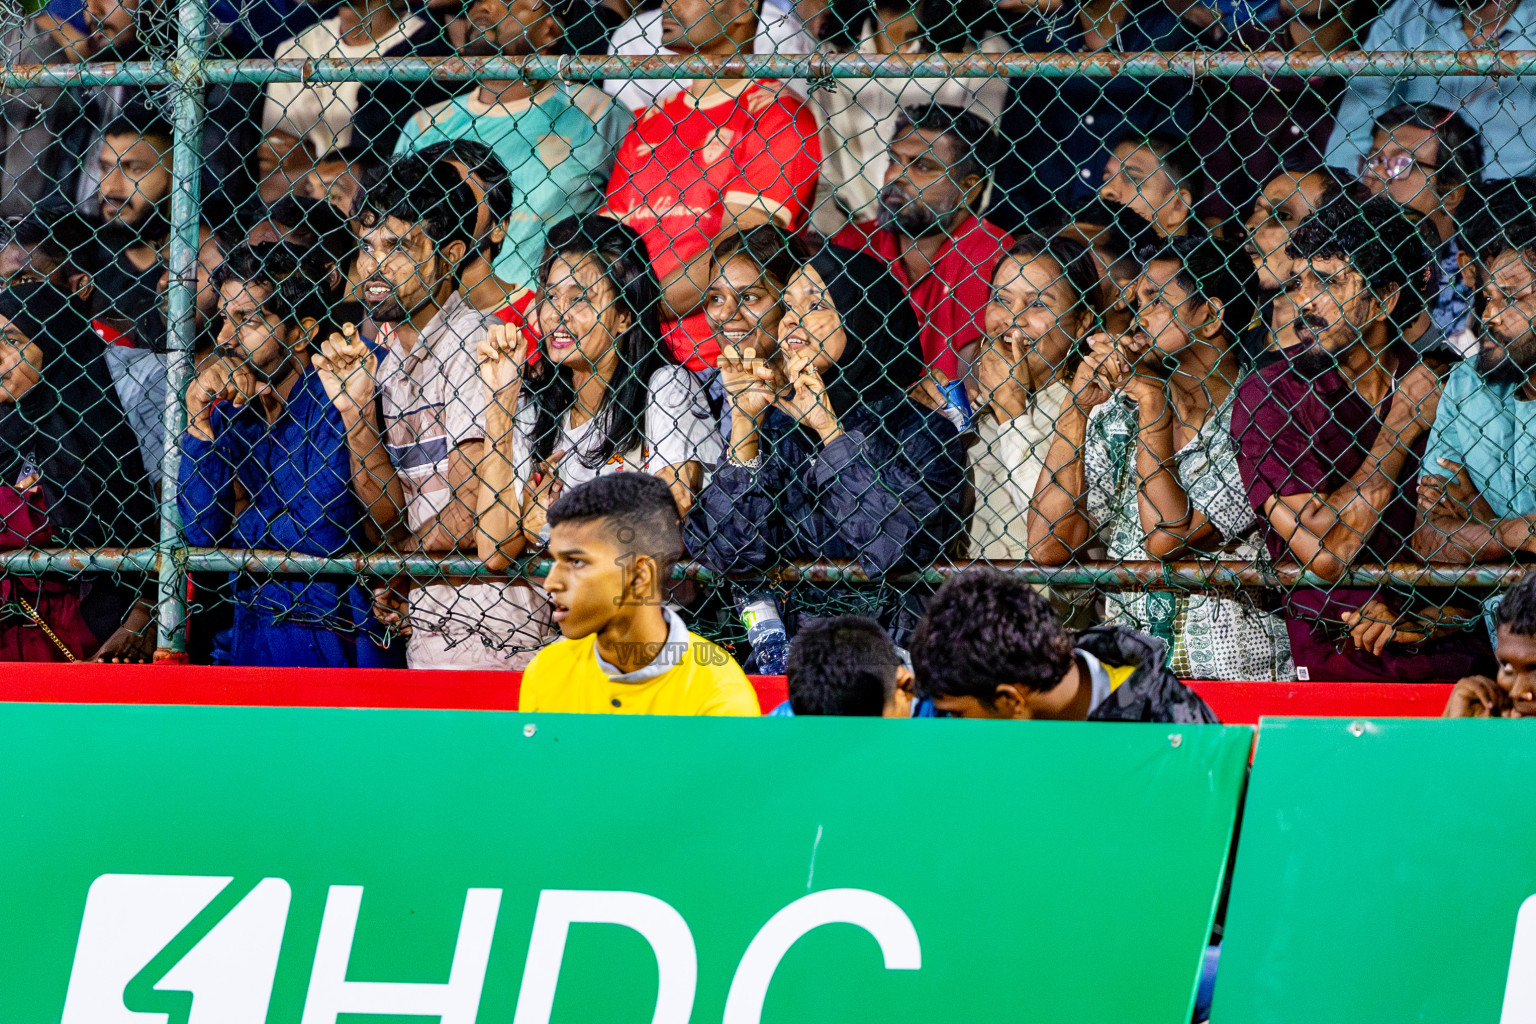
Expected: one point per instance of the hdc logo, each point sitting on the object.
(131, 918)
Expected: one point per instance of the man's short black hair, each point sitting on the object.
(638, 508)
(1516, 234)
(845, 665)
(139, 119)
(313, 222)
(62, 236)
(1488, 210)
(295, 280)
(1377, 239)
(985, 628)
(1209, 268)
(482, 162)
(1174, 154)
(417, 191)
(1461, 149)
(1335, 180)
(1517, 612)
(973, 144)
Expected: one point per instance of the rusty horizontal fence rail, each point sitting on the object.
(1168, 576)
(1197, 63)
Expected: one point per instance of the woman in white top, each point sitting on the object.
(859, 115)
(1040, 312)
(601, 397)
(319, 114)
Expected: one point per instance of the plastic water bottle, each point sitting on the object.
(765, 632)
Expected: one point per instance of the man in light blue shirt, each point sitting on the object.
(1477, 501)
(1502, 109)
(556, 140)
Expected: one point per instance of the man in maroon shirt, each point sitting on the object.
(1330, 439)
(941, 252)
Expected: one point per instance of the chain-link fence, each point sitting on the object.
(1211, 321)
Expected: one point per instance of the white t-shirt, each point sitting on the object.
(320, 113)
(679, 427)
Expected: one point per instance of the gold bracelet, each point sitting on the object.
(49, 633)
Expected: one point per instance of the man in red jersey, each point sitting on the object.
(938, 248)
(720, 157)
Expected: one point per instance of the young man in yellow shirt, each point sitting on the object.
(614, 541)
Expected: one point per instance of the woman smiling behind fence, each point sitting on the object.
(745, 298)
(70, 476)
(1038, 316)
(603, 399)
(829, 458)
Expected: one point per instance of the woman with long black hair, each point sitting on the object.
(829, 458)
(596, 396)
(70, 476)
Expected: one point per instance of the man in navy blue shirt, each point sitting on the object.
(1062, 131)
(283, 451)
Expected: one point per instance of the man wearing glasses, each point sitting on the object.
(1500, 108)
(1425, 157)
(1329, 440)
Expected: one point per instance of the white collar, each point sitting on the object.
(671, 654)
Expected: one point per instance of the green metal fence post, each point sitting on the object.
(186, 176)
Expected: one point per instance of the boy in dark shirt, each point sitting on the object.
(989, 646)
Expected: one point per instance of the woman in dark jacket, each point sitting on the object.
(70, 476)
(829, 458)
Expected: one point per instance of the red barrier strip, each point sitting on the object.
(1234, 703)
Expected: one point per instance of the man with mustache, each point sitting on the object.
(1330, 439)
(1477, 500)
(283, 449)
(228, 129)
(938, 248)
(415, 228)
(557, 140)
(1285, 201)
(133, 195)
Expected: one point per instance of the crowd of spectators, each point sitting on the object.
(891, 324)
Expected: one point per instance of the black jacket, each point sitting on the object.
(1152, 693)
(886, 495)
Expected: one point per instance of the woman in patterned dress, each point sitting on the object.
(1145, 463)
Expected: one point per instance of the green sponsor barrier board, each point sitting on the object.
(1381, 870)
(235, 866)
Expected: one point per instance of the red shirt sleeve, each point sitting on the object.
(977, 254)
(855, 237)
(778, 158)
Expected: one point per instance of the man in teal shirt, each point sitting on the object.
(557, 140)
(1477, 501)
